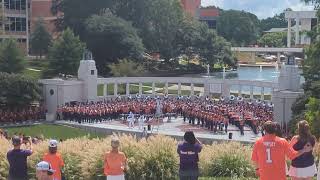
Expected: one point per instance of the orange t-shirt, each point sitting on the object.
(56, 162)
(114, 163)
(270, 152)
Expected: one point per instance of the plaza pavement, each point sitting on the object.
(175, 128)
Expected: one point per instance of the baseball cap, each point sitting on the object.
(53, 143)
(44, 166)
(16, 140)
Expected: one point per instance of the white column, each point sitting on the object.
(153, 88)
(166, 91)
(115, 89)
(251, 92)
(253, 57)
(262, 93)
(297, 31)
(192, 89)
(140, 88)
(127, 89)
(105, 93)
(278, 58)
(179, 88)
(289, 33)
(240, 91)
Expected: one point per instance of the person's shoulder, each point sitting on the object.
(122, 153)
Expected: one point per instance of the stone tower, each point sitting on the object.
(88, 73)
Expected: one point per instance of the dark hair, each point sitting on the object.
(269, 127)
(189, 137)
(277, 129)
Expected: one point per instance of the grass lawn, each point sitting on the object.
(52, 131)
(35, 68)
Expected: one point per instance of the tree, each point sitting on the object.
(311, 73)
(40, 39)
(278, 39)
(110, 38)
(65, 54)
(277, 21)
(11, 57)
(18, 90)
(239, 27)
(126, 68)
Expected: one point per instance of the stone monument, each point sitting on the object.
(287, 93)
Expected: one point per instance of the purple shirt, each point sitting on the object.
(189, 155)
(18, 163)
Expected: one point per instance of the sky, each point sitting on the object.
(261, 8)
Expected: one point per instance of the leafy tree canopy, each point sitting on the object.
(40, 39)
(11, 57)
(278, 39)
(239, 27)
(127, 68)
(110, 37)
(65, 54)
(18, 90)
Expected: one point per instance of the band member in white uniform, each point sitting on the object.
(131, 120)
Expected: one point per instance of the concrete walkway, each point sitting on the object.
(175, 128)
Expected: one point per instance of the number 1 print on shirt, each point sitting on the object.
(269, 160)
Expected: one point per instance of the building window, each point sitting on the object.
(92, 72)
(15, 4)
(16, 24)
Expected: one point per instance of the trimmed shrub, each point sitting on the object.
(152, 159)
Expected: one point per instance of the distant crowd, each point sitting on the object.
(20, 115)
(214, 115)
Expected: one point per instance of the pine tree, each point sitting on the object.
(40, 39)
(11, 57)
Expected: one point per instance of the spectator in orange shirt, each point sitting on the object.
(54, 158)
(269, 154)
(115, 162)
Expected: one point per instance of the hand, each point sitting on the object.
(307, 148)
(257, 172)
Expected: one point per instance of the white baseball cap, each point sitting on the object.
(53, 143)
(44, 166)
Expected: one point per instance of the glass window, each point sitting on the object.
(23, 4)
(12, 24)
(18, 4)
(18, 24)
(13, 4)
(6, 3)
(23, 24)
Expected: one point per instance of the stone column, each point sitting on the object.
(262, 93)
(289, 33)
(115, 89)
(192, 89)
(166, 91)
(179, 88)
(251, 92)
(240, 91)
(278, 58)
(105, 92)
(153, 89)
(127, 89)
(297, 31)
(140, 88)
(253, 57)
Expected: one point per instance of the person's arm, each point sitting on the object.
(292, 154)
(29, 146)
(293, 141)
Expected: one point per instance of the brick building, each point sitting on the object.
(205, 14)
(20, 16)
